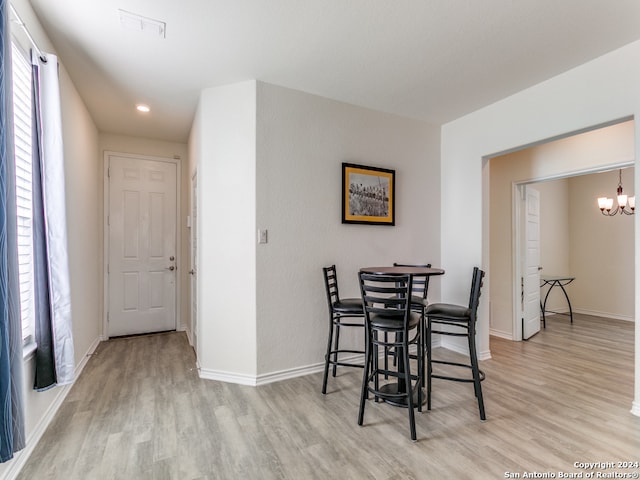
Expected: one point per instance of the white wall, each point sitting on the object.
(555, 233)
(302, 141)
(602, 248)
(555, 239)
(82, 174)
(82, 177)
(603, 90)
(280, 151)
(223, 143)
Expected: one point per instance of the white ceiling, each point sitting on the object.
(434, 60)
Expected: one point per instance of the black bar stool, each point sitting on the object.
(387, 306)
(457, 321)
(339, 309)
(419, 290)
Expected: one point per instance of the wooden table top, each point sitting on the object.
(403, 270)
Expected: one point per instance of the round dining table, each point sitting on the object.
(400, 385)
(429, 271)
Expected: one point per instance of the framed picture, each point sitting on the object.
(368, 195)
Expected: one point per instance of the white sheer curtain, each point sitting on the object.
(51, 264)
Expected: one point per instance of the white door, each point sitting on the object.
(531, 267)
(194, 263)
(142, 245)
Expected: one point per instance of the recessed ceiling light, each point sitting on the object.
(143, 108)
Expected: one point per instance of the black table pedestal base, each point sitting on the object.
(392, 389)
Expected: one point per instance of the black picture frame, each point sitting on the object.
(368, 195)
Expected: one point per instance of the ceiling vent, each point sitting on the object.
(138, 23)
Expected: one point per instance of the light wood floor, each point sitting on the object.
(140, 411)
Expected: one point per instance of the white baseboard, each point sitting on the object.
(188, 332)
(228, 377)
(635, 408)
(20, 458)
(266, 378)
(464, 350)
(484, 355)
(595, 313)
(271, 377)
(292, 373)
(501, 334)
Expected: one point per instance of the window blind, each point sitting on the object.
(22, 113)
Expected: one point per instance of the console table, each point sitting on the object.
(555, 281)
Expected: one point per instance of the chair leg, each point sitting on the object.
(429, 368)
(327, 357)
(364, 393)
(335, 355)
(422, 345)
(407, 376)
(477, 385)
(375, 352)
(386, 355)
(420, 383)
(395, 351)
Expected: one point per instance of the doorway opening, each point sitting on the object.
(575, 238)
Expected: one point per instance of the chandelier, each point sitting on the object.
(605, 204)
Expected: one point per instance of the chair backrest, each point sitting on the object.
(476, 286)
(389, 295)
(331, 285)
(420, 282)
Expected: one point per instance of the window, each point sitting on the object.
(22, 112)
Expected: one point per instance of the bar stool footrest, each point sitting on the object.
(456, 379)
(341, 363)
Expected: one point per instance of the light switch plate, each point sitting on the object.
(262, 236)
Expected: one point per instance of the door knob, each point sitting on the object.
(172, 268)
(192, 272)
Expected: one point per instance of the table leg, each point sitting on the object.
(544, 305)
(401, 386)
(568, 302)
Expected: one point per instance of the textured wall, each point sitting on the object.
(302, 141)
(602, 248)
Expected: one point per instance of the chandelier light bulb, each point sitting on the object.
(622, 201)
(605, 204)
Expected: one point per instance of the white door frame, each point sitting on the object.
(518, 233)
(193, 280)
(105, 230)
